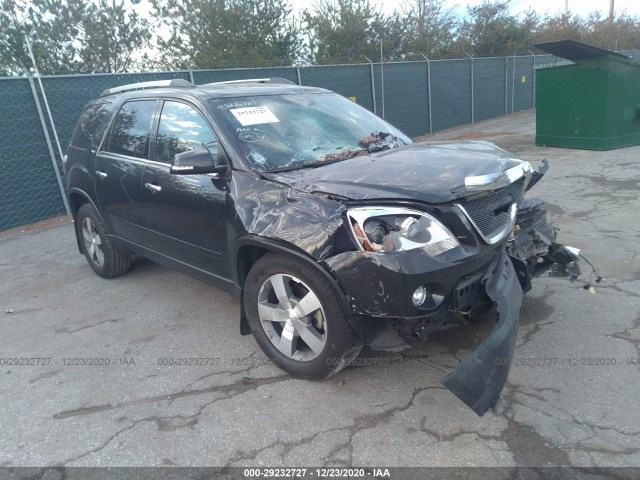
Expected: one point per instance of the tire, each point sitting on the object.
(314, 314)
(102, 256)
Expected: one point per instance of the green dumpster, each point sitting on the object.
(591, 100)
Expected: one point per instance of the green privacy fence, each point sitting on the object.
(417, 97)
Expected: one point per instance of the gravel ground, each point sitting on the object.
(239, 410)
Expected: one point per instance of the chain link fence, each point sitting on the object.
(418, 97)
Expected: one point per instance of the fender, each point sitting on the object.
(287, 249)
(88, 198)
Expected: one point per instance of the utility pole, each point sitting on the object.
(611, 11)
(566, 9)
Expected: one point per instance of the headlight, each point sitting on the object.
(395, 229)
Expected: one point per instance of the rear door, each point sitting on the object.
(186, 213)
(119, 168)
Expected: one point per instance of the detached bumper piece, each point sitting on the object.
(533, 248)
(480, 378)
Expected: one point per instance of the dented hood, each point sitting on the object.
(430, 172)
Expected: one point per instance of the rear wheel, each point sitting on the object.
(296, 318)
(101, 255)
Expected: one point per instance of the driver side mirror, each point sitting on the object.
(198, 161)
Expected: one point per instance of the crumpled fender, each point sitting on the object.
(481, 376)
(306, 221)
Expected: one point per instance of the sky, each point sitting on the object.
(579, 7)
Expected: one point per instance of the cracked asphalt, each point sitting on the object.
(387, 410)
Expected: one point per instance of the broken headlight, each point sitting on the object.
(394, 229)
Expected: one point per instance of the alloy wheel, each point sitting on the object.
(92, 242)
(292, 317)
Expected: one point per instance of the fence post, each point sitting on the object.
(472, 107)
(382, 78)
(533, 82)
(429, 91)
(373, 85)
(49, 145)
(513, 83)
(506, 88)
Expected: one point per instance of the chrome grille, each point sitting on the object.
(491, 213)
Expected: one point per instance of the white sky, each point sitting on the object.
(579, 7)
(552, 7)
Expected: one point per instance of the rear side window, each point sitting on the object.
(130, 131)
(92, 125)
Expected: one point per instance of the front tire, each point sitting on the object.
(102, 256)
(297, 319)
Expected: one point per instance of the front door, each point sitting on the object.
(186, 213)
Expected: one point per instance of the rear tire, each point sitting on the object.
(102, 256)
(297, 319)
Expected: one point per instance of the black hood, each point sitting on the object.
(429, 172)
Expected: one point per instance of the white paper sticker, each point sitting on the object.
(254, 115)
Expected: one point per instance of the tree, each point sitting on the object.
(560, 27)
(430, 27)
(226, 33)
(493, 31)
(70, 36)
(50, 25)
(622, 33)
(114, 38)
(350, 30)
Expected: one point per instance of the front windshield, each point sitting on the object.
(281, 132)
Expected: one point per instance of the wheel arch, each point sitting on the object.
(250, 248)
(77, 198)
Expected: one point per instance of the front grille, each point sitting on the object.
(491, 212)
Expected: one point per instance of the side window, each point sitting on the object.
(92, 125)
(181, 129)
(130, 130)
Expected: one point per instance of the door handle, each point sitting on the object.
(101, 175)
(153, 188)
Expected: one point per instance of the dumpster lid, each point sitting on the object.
(573, 50)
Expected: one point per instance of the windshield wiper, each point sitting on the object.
(374, 142)
(307, 164)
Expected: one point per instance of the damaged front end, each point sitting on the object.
(427, 257)
(512, 241)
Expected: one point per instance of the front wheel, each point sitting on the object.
(296, 318)
(101, 255)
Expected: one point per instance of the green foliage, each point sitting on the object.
(114, 38)
(223, 33)
(80, 36)
(70, 36)
(621, 33)
(492, 31)
(345, 31)
(430, 28)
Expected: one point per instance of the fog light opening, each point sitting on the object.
(419, 296)
(424, 298)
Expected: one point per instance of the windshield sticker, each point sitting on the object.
(251, 134)
(254, 115)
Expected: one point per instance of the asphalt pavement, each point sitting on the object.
(571, 398)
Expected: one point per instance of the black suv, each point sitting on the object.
(330, 224)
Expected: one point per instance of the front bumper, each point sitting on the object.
(481, 376)
(479, 379)
(381, 284)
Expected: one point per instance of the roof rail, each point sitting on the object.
(176, 82)
(249, 81)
